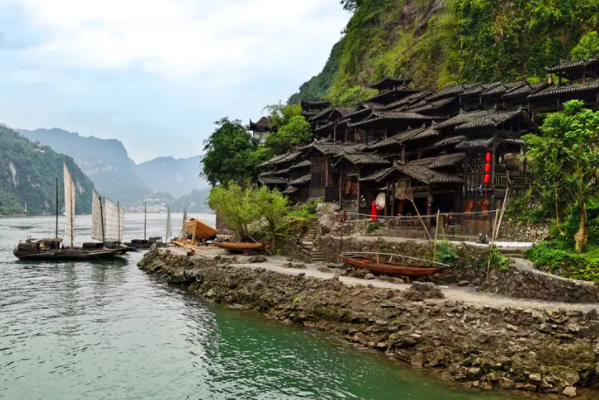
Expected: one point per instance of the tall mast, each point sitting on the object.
(102, 220)
(72, 214)
(145, 218)
(56, 209)
(118, 208)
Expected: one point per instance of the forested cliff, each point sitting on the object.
(441, 42)
(27, 177)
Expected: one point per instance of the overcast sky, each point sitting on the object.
(156, 74)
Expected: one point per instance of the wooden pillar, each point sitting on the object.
(326, 173)
(493, 167)
(403, 153)
(388, 200)
(341, 187)
(359, 188)
(335, 131)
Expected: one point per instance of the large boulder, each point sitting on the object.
(328, 217)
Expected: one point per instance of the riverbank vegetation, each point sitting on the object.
(258, 213)
(564, 190)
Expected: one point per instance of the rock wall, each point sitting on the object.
(524, 349)
(513, 231)
(469, 269)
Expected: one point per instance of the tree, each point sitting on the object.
(587, 47)
(297, 131)
(280, 115)
(231, 154)
(565, 160)
(257, 207)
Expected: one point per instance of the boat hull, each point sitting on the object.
(385, 268)
(66, 255)
(241, 246)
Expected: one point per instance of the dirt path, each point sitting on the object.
(467, 295)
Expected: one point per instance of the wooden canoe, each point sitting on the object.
(201, 230)
(388, 268)
(241, 246)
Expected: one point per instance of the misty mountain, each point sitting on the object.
(175, 176)
(105, 161)
(193, 202)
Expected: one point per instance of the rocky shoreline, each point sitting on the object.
(528, 349)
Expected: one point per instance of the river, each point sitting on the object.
(109, 331)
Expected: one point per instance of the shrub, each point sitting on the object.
(446, 254)
(498, 260)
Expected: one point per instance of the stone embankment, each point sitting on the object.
(530, 346)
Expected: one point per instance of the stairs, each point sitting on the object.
(309, 251)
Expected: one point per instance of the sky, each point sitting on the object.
(157, 74)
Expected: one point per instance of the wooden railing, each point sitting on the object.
(478, 178)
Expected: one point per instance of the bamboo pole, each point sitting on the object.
(436, 235)
(492, 243)
(397, 255)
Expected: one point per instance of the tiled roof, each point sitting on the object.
(568, 65)
(556, 90)
(478, 89)
(333, 149)
(364, 159)
(290, 190)
(477, 143)
(440, 161)
(480, 119)
(272, 181)
(321, 114)
(490, 120)
(398, 139)
(281, 172)
(398, 90)
(395, 115)
(387, 82)
(426, 132)
(526, 89)
(315, 103)
(272, 160)
(301, 181)
(269, 173)
(408, 100)
(450, 141)
(427, 175)
(418, 172)
(432, 105)
(303, 164)
(453, 90)
(503, 88)
(287, 158)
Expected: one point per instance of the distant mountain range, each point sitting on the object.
(28, 173)
(107, 163)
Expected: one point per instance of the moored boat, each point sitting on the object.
(53, 249)
(412, 269)
(232, 246)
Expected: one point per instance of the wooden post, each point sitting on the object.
(493, 167)
(359, 188)
(341, 185)
(436, 235)
(193, 236)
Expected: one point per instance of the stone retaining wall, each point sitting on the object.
(470, 270)
(523, 349)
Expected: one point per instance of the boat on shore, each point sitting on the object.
(414, 269)
(53, 249)
(232, 246)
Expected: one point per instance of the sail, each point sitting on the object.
(112, 218)
(169, 228)
(97, 217)
(121, 215)
(69, 206)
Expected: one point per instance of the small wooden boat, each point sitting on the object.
(50, 250)
(389, 268)
(231, 246)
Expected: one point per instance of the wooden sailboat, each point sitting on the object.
(53, 249)
(104, 220)
(231, 246)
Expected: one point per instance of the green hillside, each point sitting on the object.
(441, 42)
(27, 176)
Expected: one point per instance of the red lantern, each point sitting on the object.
(487, 168)
(487, 179)
(488, 158)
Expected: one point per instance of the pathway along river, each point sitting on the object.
(109, 331)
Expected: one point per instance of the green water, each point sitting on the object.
(109, 331)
